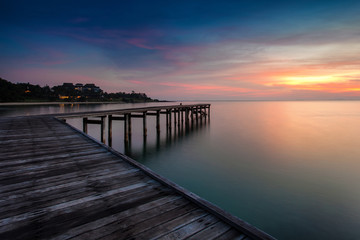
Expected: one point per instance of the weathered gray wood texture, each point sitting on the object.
(56, 183)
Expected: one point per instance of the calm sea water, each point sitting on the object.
(291, 169)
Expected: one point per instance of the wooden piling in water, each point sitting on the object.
(208, 113)
(85, 125)
(129, 125)
(175, 119)
(194, 115)
(126, 128)
(182, 116)
(102, 129)
(167, 120)
(158, 122)
(144, 125)
(110, 130)
(179, 122)
(170, 110)
(197, 114)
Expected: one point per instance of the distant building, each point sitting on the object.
(69, 91)
(91, 88)
(79, 87)
(68, 86)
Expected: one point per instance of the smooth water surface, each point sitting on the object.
(289, 168)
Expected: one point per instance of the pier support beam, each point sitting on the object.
(129, 125)
(192, 113)
(179, 110)
(126, 129)
(87, 121)
(102, 129)
(144, 125)
(192, 117)
(158, 122)
(175, 120)
(167, 120)
(182, 117)
(110, 130)
(187, 118)
(208, 113)
(170, 110)
(197, 114)
(85, 125)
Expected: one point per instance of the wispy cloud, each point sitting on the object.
(231, 49)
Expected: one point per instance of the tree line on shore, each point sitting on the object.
(26, 92)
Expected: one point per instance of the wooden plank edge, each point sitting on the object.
(230, 219)
(122, 111)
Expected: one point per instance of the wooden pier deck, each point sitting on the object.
(56, 183)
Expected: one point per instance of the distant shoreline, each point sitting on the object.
(54, 103)
(68, 103)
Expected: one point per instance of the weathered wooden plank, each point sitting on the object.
(81, 208)
(211, 232)
(95, 229)
(136, 116)
(46, 142)
(74, 193)
(232, 234)
(45, 168)
(12, 161)
(125, 111)
(54, 170)
(189, 229)
(94, 173)
(138, 215)
(166, 225)
(84, 217)
(48, 192)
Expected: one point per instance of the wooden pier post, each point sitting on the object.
(192, 116)
(129, 125)
(110, 130)
(208, 107)
(87, 121)
(197, 114)
(186, 118)
(102, 129)
(85, 125)
(158, 122)
(167, 120)
(170, 110)
(205, 113)
(144, 125)
(126, 128)
(182, 116)
(178, 118)
(175, 120)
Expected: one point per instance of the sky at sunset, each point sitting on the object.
(187, 50)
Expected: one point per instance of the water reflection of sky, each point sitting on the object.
(289, 168)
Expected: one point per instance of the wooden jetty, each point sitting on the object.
(58, 183)
(177, 117)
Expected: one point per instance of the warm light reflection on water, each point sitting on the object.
(289, 168)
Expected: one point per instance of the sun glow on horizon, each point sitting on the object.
(301, 80)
